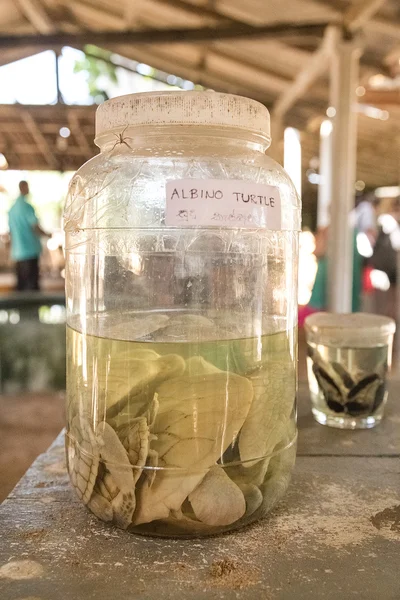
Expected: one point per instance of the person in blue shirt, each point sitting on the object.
(25, 234)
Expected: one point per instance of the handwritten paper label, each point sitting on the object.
(222, 203)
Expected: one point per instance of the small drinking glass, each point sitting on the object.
(348, 360)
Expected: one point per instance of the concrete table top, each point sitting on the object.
(335, 535)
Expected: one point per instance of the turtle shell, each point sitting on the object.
(83, 457)
(135, 439)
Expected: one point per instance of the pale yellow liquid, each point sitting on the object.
(116, 381)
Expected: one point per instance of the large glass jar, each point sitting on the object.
(181, 283)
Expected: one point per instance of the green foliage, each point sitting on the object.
(98, 69)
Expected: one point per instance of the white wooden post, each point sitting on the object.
(344, 73)
(325, 172)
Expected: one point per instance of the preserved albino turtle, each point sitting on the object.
(191, 447)
(181, 275)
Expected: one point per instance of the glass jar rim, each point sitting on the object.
(349, 329)
(183, 108)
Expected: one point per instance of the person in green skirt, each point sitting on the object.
(319, 296)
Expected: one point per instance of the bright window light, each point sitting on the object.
(377, 80)
(315, 178)
(307, 242)
(373, 112)
(326, 128)
(292, 156)
(3, 161)
(379, 280)
(144, 69)
(52, 315)
(65, 132)
(388, 223)
(364, 246)
(307, 267)
(391, 191)
(14, 317)
(52, 244)
(31, 80)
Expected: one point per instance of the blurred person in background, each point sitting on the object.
(364, 216)
(319, 296)
(385, 255)
(26, 247)
(364, 221)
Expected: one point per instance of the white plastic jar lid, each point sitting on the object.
(359, 330)
(183, 108)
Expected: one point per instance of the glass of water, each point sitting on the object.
(348, 360)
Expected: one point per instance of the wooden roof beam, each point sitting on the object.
(384, 27)
(231, 69)
(163, 36)
(9, 56)
(393, 57)
(9, 151)
(354, 18)
(39, 138)
(313, 69)
(131, 12)
(32, 150)
(359, 14)
(381, 97)
(95, 14)
(275, 82)
(11, 113)
(36, 14)
(199, 73)
(73, 121)
(205, 11)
